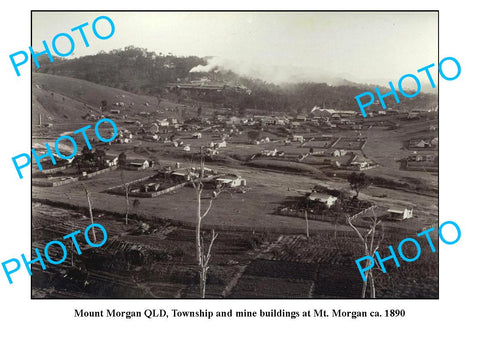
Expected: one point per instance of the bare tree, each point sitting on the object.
(306, 220)
(125, 187)
(204, 262)
(72, 229)
(136, 203)
(87, 193)
(337, 210)
(203, 255)
(368, 240)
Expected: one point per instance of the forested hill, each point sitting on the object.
(143, 72)
(131, 69)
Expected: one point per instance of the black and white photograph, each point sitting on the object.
(235, 154)
(255, 170)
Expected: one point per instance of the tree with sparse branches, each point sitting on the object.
(203, 254)
(125, 188)
(87, 193)
(306, 220)
(369, 248)
(337, 211)
(204, 261)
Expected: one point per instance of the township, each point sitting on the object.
(288, 184)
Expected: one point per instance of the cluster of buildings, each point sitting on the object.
(423, 143)
(422, 162)
(326, 201)
(210, 176)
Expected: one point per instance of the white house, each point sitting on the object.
(220, 145)
(400, 214)
(111, 160)
(212, 152)
(138, 164)
(298, 138)
(124, 140)
(326, 199)
(339, 153)
(269, 153)
(360, 162)
(163, 123)
(230, 181)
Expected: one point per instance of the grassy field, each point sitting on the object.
(244, 264)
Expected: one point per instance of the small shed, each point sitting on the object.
(399, 214)
(326, 199)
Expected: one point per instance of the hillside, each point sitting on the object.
(62, 99)
(131, 69)
(143, 72)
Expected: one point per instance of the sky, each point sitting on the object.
(370, 47)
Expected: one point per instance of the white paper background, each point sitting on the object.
(453, 315)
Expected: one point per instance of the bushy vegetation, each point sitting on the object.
(90, 160)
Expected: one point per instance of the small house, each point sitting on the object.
(111, 160)
(326, 199)
(269, 153)
(138, 165)
(400, 214)
(212, 152)
(298, 138)
(230, 181)
(339, 153)
(182, 175)
(360, 162)
(419, 143)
